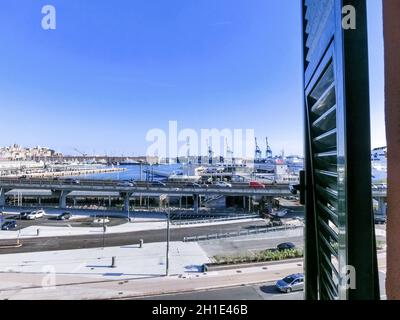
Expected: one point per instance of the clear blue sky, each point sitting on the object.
(115, 69)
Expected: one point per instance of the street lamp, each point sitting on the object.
(168, 238)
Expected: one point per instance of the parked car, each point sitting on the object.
(285, 246)
(64, 216)
(276, 222)
(9, 225)
(256, 185)
(24, 215)
(223, 184)
(380, 219)
(36, 215)
(294, 282)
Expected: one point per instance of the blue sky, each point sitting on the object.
(113, 70)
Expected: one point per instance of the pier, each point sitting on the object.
(66, 173)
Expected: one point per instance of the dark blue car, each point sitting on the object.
(9, 225)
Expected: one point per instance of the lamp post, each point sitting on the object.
(168, 238)
(104, 228)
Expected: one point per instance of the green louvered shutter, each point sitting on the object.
(339, 219)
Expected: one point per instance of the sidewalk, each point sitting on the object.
(140, 287)
(135, 275)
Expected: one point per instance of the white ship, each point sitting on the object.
(379, 165)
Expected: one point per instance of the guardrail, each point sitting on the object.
(140, 188)
(218, 236)
(213, 220)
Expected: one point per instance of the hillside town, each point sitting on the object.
(19, 153)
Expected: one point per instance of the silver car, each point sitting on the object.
(36, 215)
(294, 282)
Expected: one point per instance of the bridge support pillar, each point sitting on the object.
(3, 197)
(126, 201)
(63, 199)
(196, 203)
(381, 206)
(269, 204)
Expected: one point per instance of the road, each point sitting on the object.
(121, 239)
(142, 187)
(263, 291)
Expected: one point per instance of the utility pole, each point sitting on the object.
(168, 238)
(104, 228)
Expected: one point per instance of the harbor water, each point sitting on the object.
(136, 172)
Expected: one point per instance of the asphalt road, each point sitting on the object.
(121, 239)
(265, 291)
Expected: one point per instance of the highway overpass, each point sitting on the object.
(67, 187)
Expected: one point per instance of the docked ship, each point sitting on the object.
(379, 164)
(129, 162)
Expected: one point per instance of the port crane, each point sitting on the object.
(258, 154)
(210, 153)
(268, 152)
(80, 152)
(229, 152)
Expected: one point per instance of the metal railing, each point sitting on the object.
(212, 219)
(141, 187)
(240, 233)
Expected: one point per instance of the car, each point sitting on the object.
(285, 246)
(223, 184)
(126, 184)
(380, 219)
(294, 282)
(36, 215)
(192, 185)
(158, 184)
(64, 216)
(256, 185)
(24, 215)
(9, 225)
(276, 222)
(71, 181)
